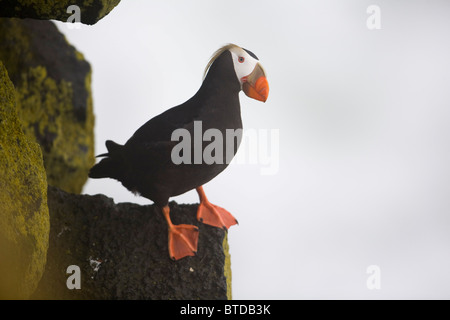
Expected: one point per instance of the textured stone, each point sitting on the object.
(121, 250)
(54, 101)
(91, 11)
(24, 219)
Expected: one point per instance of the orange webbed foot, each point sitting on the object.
(183, 238)
(213, 215)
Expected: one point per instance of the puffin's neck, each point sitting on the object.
(221, 81)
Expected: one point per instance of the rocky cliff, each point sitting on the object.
(53, 97)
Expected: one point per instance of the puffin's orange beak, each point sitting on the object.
(255, 84)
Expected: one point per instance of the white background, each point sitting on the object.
(364, 148)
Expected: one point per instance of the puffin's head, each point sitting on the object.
(248, 70)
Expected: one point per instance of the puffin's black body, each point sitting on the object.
(144, 164)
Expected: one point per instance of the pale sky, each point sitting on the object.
(356, 118)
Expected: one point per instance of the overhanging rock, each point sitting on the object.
(91, 11)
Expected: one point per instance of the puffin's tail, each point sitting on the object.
(110, 166)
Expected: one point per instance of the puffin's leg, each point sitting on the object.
(213, 215)
(183, 238)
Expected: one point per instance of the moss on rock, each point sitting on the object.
(227, 266)
(91, 11)
(54, 100)
(24, 218)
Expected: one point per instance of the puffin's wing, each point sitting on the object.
(160, 128)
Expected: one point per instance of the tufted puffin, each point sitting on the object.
(145, 164)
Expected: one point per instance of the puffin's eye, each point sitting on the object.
(241, 59)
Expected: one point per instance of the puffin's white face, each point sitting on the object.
(243, 63)
(250, 74)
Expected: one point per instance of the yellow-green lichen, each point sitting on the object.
(107, 6)
(46, 112)
(44, 8)
(227, 266)
(24, 217)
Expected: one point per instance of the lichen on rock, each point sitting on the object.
(54, 100)
(24, 218)
(227, 266)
